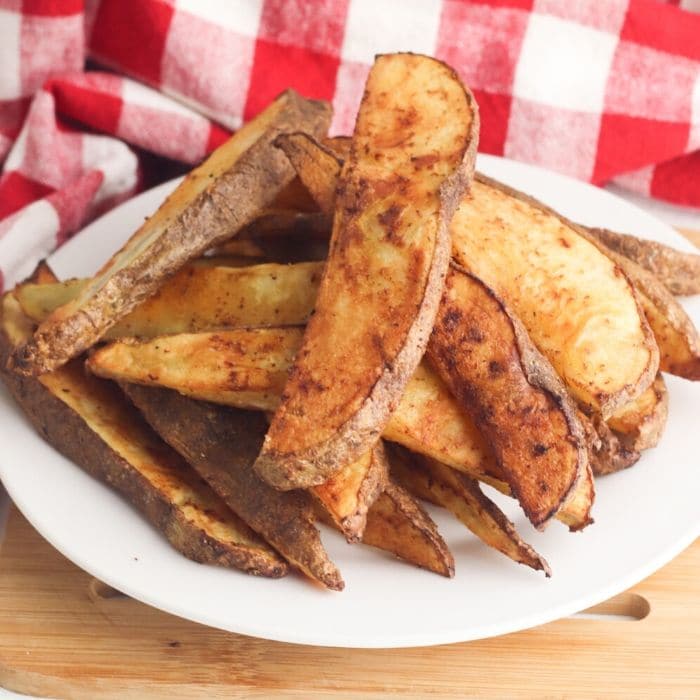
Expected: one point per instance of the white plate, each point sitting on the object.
(644, 516)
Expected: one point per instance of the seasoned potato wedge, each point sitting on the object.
(483, 353)
(381, 285)
(579, 309)
(678, 271)
(201, 297)
(91, 423)
(349, 494)
(461, 495)
(675, 334)
(640, 424)
(319, 178)
(428, 419)
(248, 369)
(397, 524)
(221, 444)
(212, 203)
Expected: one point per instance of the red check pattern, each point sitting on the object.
(100, 98)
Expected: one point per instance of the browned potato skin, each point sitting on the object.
(349, 494)
(190, 227)
(675, 333)
(678, 272)
(640, 424)
(350, 372)
(607, 452)
(461, 495)
(514, 396)
(398, 524)
(221, 444)
(303, 153)
(70, 434)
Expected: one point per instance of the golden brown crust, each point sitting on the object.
(485, 356)
(439, 484)
(189, 527)
(351, 372)
(349, 494)
(587, 388)
(679, 272)
(221, 443)
(398, 524)
(640, 424)
(193, 219)
(674, 331)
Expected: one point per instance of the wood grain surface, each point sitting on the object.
(63, 635)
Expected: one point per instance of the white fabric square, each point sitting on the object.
(374, 27)
(558, 139)
(134, 93)
(349, 88)
(10, 31)
(563, 64)
(694, 136)
(241, 16)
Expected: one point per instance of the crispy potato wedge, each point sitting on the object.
(292, 248)
(397, 524)
(214, 202)
(349, 494)
(576, 512)
(381, 285)
(461, 495)
(221, 444)
(90, 422)
(319, 178)
(200, 297)
(484, 355)
(248, 368)
(640, 424)
(675, 333)
(579, 309)
(679, 272)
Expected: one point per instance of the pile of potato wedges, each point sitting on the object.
(333, 330)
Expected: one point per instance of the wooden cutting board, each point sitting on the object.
(64, 635)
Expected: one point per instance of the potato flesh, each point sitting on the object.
(248, 368)
(200, 298)
(575, 304)
(379, 288)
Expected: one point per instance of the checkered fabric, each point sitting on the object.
(100, 98)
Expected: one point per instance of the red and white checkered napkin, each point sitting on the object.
(597, 89)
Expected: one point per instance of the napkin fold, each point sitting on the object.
(101, 98)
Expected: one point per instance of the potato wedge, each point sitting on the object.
(679, 272)
(640, 424)
(675, 333)
(397, 524)
(579, 309)
(381, 284)
(461, 495)
(90, 422)
(484, 355)
(349, 494)
(213, 203)
(200, 297)
(248, 368)
(221, 444)
(319, 178)
(287, 223)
